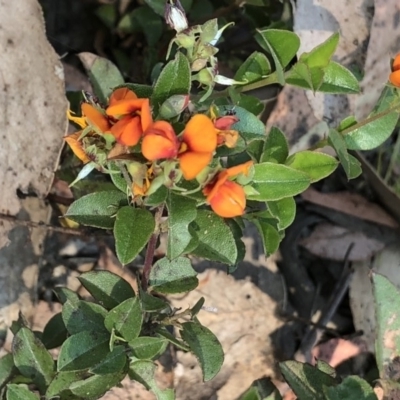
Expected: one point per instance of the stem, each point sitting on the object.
(269, 80)
(151, 248)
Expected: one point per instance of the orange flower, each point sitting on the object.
(226, 198)
(133, 115)
(394, 77)
(199, 141)
(160, 141)
(90, 116)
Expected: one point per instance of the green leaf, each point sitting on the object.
(336, 79)
(174, 79)
(181, 212)
(151, 303)
(107, 288)
(336, 140)
(63, 294)
(103, 75)
(283, 210)
(19, 392)
(96, 386)
(352, 387)
(158, 6)
(371, 132)
(216, 240)
(321, 55)
(32, 359)
(262, 389)
(276, 148)
(143, 371)
(269, 235)
(148, 348)
(132, 230)
(97, 209)
(7, 369)
(83, 316)
(275, 181)
(143, 19)
(205, 346)
(355, 167)
(156, 198)
(315, 164)
(249, 126)
(326, 368)
(117, 177)
(387, 306)
(254, 68)
(283, 46)
(126, 319)
(112, 363)
(175, 276)
(107, 14)
(55, 332)
(83, 350)
(251, 104)
(306, 381)
(141, 91)
(59, 386)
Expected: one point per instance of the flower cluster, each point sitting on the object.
(154, 153)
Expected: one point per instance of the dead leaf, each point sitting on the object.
(351, 203)
(332, 242)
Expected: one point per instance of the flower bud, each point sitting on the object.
(174, 106)
(206, 77)
(175, 15)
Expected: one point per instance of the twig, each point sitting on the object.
(151, 248)
(313, 336)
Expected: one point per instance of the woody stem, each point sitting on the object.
(151, 248)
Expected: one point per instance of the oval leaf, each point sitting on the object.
(306, 381)
(146, 347)
(275, 181)
(276, 148)
(32, 359)
(126, 319)
(143, 371)
(59, 386)
(132, 230)
(254, 68)
(215, 239)
(352, 387)
(55, 332)
(97, 209)
(283, 46)
(83, 316)
(107, 288)
(175, 276)
(103, 74)
(83, 350)
(174, 79)
(205, 346)
(283, 210)
(371, 132)
(19, 392)
(181, 212)
(316, 165)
